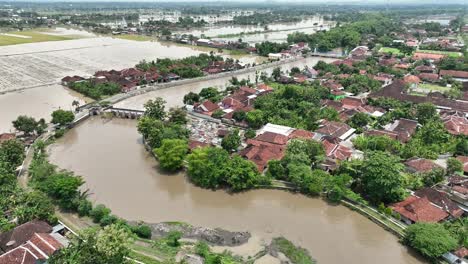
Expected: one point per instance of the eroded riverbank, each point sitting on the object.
(122, 175)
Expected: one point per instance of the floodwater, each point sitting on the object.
(174, 95)
(36, 102)
(43, 65)
(122, 175)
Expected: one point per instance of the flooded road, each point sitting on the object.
(122, 175)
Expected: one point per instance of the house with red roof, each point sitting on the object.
(420, 165)
(36, 250)
(456, 124)
(457, 75)
(335, 151)
(442, 200)
(6, 136)
(416, 209)
(340, 131)
(206, 107)
(429, 77)
(464, 161)
(353, 103)
(265, 147)
(428, 56)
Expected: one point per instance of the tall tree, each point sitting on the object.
(381, 178)
(155, 108)
(25, 124)
(62, 117)
(432, 240)
(171, 154)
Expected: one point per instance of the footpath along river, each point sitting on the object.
(120, 174)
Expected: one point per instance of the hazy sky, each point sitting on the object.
(295, 1)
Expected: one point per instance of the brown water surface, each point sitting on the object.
(122, 175)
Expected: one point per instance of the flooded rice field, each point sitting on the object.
(122, 175)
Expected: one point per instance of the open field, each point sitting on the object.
(452, 54)
(134, 37)
(21, 37)
(390, 50)
(433, 87)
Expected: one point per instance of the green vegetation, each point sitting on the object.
(202, 249)
(134, 37)
(96, 246)
(22, 37)
(29, 125)
(231, 141)
(451, 54)
(431, 240)
(265, 19)
(433, 87)
(95, 90)
(296, 254)
(212, 167)
(62, 117)
(388, 50)
(189, 67)
(172, 153)
(20, 205)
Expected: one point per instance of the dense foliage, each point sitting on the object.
(62, 117)
(212, 167)
(172, 153)
(431, 240)
(95, 90)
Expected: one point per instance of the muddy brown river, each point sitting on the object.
(122, 175)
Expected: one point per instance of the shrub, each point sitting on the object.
(59, 133)
(142, 231)
(217, 114)
(99, 212)
(84, 207)
(250, 133)
(173, 238)
(108, 220)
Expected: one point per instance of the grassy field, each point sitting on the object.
(134, 37)
(452, 54)
(390, 50)
(433, 87)
(21, 37)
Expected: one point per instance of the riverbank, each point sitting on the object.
(168, 197)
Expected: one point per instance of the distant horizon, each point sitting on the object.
(357, 2)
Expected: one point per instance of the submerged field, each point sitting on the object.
(22, 37)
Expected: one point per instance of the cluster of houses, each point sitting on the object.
(212, 43)
(293, 50)
(129, 79)
(32, 242)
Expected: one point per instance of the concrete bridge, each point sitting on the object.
(125, 113)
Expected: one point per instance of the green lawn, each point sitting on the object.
(390, 50)
(433, 87)
(452, 54)
(134, 37)
(29, 37)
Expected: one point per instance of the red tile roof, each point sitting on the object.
(419, 210)
(6, 136)
(193, 144)
(23, 233)
(411, 79)
(301, 133)
(456, 125)
(336, 151)
(462, 252)
(261, 154)
(421, 165)
(333, 129)
(455, 74)
(209, 106)
(431, 77)
(427, 56)
(440, 199)
(39, 247)
(464, 161)
(351, 103)
(273, 138)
